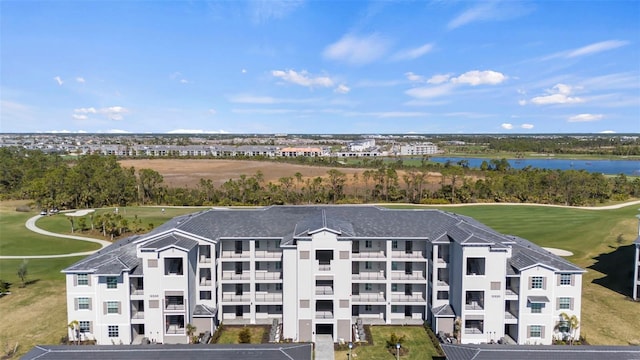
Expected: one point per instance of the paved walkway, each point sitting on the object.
(324, 347)
(31, 225)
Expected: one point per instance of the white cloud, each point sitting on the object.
(507, 126)
(490, 11)
(80, 80)
(267, 100)
(357, 50)
(212, 111)
(113, 112)
(58, 79)
(414, 77)
(439, 79)
(264, 10)
(522, 102)
(342, 89)
(476, 77)
(430, 91)
(244, 71)
(585, 117)
(90, 110)
(196, 131)
(597, 47)
(302, 78)
(184, 81)
(80, 116)
(527, 126)
(559, 94)
(607, 132)
(117, 131)
(414, 53)
(388, 114)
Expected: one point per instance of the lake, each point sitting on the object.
(610, 167)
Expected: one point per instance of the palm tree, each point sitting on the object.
(190, 331)
(74, 325)
(573, 323)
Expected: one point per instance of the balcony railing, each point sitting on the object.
(230, 275)
(268, 275)
(368, 255)
(136, 291)
(269, 297)
(205, 282)
(444, 282)
(401, 275)
(233, 297)
(474, 306)
(411, 255)
(172, 329)
(174, 307)
(369, 275)
(511, 291)
(324, 314)
(232, 254)
(368, 297)
(268, 253)
(324, 290)
(472, 330)
(137, 315)
(205, 259)
(510, 315)
(324, 267)
(415, 297)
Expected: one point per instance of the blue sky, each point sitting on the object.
(320, 66)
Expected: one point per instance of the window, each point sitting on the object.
(443, 295)
(394, 287)
(536, 308)
(475, 266)
(257, 244)
(394, 266)
(368, 244)
(113, 330)
(173, 266)
(113, 307)
(367, 287)
(278, 287)
(564, 303)
(278, 265)
(83, 303)
(112, 282)
(367, 265)
(394, 244)
(565, 279)
(394, 308)
(84, 326)
(368, 308)
(205, 295)
(83, 279)
(535, 331)
(537, 282)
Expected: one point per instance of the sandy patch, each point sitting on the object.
(559, 252)
(80, 212)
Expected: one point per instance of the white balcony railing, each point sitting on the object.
(324, 290)
(233, 254)
(415, 297)
(405, 255)
(369, 275)
(324, 314)
(368, 297)
(510, 315)
(474, 306)
(174, 307)
(401, 275)
(369, 255)
(269, 297)
(137, 315)
(231, 275)
(235, 298)
(268, 275)
(268, 253)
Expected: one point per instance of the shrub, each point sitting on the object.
(244, 336)
(23, 208)
(216, 335)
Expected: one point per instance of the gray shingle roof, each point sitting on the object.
(171, 352)
(444, 311)
(203, 310)
(539, 352)
(288, 222)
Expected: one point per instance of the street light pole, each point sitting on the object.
(350, 347)
(398, 351)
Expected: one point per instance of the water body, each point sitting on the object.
(609, 167)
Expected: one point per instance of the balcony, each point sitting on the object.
(415, 254)
(510, 315)
(136, 291)
(324, 290)
(368, 297)
(137, 315)
(174, 303)
(402, 275)
(323, 266)
(415, 297)
(235, 254)
(205, 254)
(368, 255)
(474, 305)
(268, 275)
(174, 329)
(268, 254)
(226, 297)
(324, 314)
(269, 297)
(232, 275)
(369, 275)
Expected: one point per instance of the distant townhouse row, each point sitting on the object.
(322, 270)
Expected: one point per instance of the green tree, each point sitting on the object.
(244, 336)
(22, 272)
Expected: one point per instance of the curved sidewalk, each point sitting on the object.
(31, 225)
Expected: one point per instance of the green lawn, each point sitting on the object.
(15, 239)
(230, 334)
(417, 342)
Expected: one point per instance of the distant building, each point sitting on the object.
(323, 270)
(426, 148)
(362, 145)
(302, 151)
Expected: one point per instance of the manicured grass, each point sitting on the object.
(17, 240)
(601, 242)
(37, 313)
(230, 334)
(417, 342)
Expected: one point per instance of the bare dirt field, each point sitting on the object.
(188, 172)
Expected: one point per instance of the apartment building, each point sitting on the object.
(320, 270)
(426, 148)
(636, 266)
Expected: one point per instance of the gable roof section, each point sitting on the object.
(112, 260)
(443, 311)
(170, 240)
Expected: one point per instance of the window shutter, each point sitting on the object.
(344, 303)
(90, 303)
(104, 308)
(304, 254)
(573, 279)
(344, 255)
(152, 263)
(542, 331)
(89, 280)
(558, 279)
(571, 304)
(75, 280)
(544, 283)
(557, 303)
(529, 330)
(119, 308)
(530, 283)
(154, 304)
(91, 327)
(75, 304)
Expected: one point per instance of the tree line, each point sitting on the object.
(97, 181)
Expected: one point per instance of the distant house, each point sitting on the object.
(323, 270)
